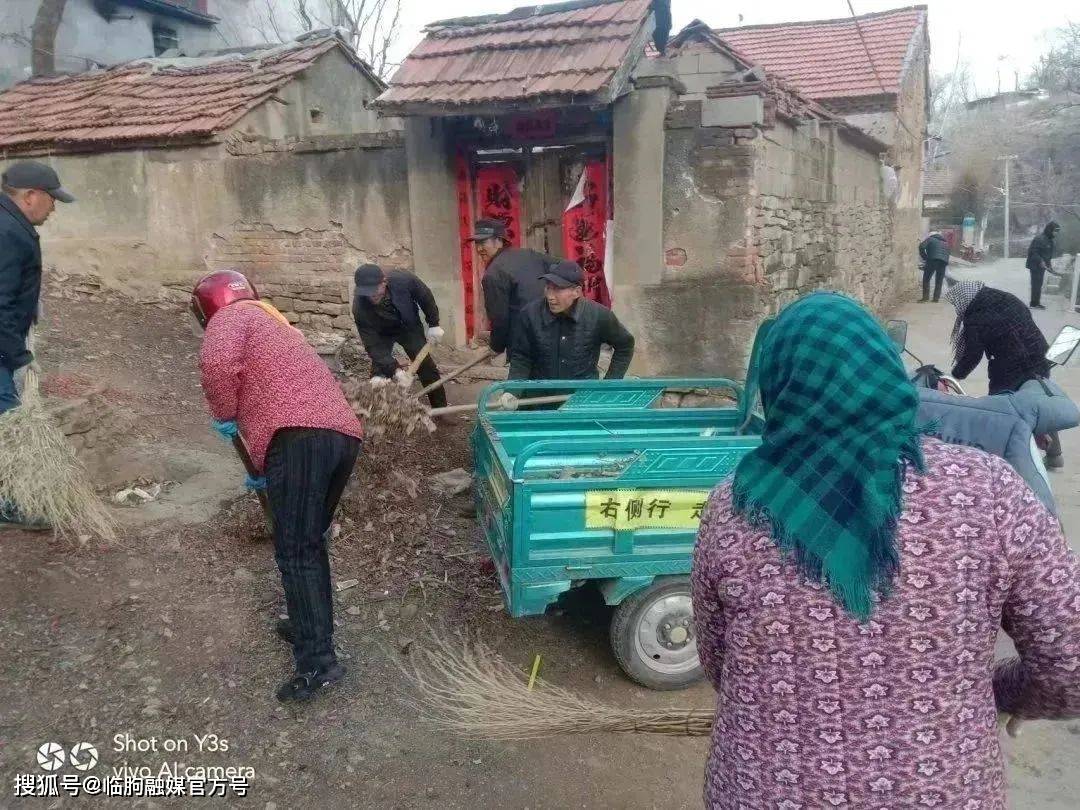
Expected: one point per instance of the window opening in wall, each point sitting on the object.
(165, 39)
(316, 115)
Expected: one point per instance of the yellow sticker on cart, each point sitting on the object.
(629, 509)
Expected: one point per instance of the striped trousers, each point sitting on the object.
(306, 472)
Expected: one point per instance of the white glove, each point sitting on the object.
(508, 402)
(435, 334)
(403, 378)
(378, 382)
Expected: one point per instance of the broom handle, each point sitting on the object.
(241, 450)
(421, 356)
(522, 403)
(457, 372)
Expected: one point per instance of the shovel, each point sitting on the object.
(421, 356)
(457, 372)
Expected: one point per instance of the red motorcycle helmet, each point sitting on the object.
(218, 290)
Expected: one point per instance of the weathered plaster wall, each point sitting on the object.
(753, 217)
(298, 214)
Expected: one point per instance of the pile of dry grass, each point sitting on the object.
(387, 408)
(468, 690)
(41, 476)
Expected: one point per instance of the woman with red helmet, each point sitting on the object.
(264, 382)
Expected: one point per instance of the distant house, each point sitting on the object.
(98, 33)
(271, 162)
(938, 184)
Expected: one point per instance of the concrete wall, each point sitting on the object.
(86, 38)
(298, 218)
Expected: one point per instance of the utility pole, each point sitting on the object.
(1007, 159)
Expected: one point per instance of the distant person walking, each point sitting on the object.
(934, 251)
(1040, 252)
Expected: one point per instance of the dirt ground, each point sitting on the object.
(168, 635)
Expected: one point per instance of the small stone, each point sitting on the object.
(241, 574)
(409, 610)
(353, 610)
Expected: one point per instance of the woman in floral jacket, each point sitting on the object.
(849, 585)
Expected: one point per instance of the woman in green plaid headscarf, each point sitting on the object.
(839, 433)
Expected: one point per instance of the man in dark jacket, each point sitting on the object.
(1040, 252)
(30, 190)
(559, 337)
(386, 308)
(511, 281)
(934, 251)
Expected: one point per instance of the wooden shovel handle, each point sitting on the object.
(449, 410)
(421, 356)
(457, 372)
(241, 450)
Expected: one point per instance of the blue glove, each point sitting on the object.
(255, 483)
(228, 430)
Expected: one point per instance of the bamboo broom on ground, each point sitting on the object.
(467, 689)
(40, 475)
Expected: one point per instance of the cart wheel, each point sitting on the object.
(652, 635)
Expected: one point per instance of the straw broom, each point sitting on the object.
(41, 476)
(468, 690)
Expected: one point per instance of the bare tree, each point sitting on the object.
(1058, 69)
(370, 26)
(43, 37)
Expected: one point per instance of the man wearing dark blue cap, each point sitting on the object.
(560, 336)
(29, 193)
(386, 308)
(511, 279)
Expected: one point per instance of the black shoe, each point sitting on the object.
(923, 300)
(305, 685)
(284, 628)
(1054, 462)
(1037, 306)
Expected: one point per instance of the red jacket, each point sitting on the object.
(266, 377)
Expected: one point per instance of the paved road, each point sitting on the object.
(1043, 762)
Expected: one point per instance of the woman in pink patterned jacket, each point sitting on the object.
(849, 585)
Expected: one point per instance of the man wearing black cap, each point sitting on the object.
(559, 337)
(387, 308)
(30, 191)
(511, 281)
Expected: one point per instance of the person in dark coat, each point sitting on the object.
(511, 280)
(28, 193)
(996, 324)
(1040, 252)
(386, 308)
(934, 251)
(559, 337)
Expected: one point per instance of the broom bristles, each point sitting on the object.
(40, 475)
(467, 689)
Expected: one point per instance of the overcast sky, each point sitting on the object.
(990, 40)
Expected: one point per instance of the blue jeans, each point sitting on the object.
(9, 398)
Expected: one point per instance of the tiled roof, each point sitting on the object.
(827, 59)
(557, 53)
(149, 100)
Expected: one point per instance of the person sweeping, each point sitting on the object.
(29, 194)
(263, 382)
